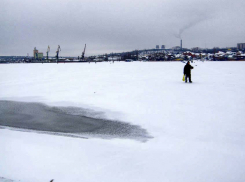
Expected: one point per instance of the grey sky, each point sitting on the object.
(118, 25)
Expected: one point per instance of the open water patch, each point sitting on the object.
(66, 121)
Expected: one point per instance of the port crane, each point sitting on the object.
(83, 53)
(48, 52)
(57, 53)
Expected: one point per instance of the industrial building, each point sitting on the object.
(158, 46)
(241, 46)
(36, 54)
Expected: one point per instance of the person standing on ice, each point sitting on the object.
(187, 71)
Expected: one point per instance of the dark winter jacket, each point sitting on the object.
(187, 69)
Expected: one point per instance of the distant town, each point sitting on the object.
(159, 53)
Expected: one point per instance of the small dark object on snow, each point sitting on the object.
(52, 180)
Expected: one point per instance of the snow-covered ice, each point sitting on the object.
(198, 129)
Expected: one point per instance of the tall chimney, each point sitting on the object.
(181, 44)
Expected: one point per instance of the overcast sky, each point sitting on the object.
(118, 25)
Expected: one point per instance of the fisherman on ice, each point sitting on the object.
(187, 72)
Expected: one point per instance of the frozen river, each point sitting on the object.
(140, 120)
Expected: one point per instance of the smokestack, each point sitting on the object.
(181, 44)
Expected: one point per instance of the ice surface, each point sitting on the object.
(5, 180)
(198, 128)
(66, 121)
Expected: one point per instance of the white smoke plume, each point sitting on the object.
(193, 23)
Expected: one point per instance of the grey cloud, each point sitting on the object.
(115, 26)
